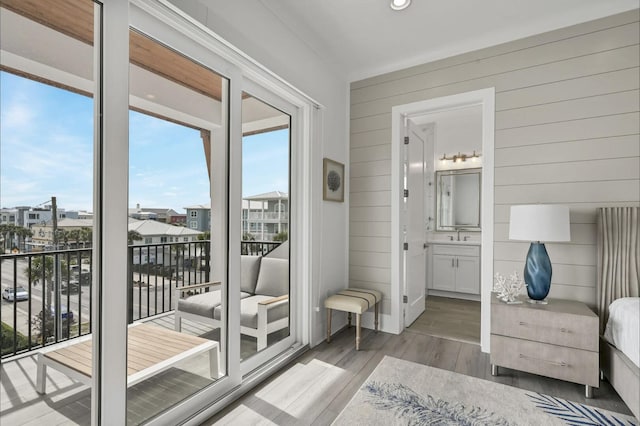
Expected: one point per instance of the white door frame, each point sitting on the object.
(485, 98)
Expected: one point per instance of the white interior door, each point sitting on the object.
(415, 235)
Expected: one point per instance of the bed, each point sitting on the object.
(618, 288)
(619, 350)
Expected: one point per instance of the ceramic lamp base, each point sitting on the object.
(537, 272)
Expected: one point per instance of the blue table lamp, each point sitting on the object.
(538, 223)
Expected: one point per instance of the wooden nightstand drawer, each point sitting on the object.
(543, 324)
(574, 365)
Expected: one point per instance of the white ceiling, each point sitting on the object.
(363, 38)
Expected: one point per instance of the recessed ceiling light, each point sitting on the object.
(399, 4)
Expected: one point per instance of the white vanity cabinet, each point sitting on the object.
(456, 268)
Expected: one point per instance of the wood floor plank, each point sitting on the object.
(414, 344)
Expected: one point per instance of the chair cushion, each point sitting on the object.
(201, 304)
(249, 311)
(249, 268)
(273, 279)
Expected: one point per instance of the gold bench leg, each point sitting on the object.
(328, 325)
(358, 332)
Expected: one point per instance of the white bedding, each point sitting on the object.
(623, 327)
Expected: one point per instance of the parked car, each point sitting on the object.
(65, 312)
(72, 286)
(18, 294)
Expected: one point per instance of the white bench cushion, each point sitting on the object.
(353, 300)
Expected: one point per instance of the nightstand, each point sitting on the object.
(558, 340)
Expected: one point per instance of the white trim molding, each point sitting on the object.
(485, 98)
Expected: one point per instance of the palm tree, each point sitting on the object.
(86, 235)
(8, 231)
(23, 234)
(43, 268)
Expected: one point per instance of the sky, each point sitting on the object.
(46, 149)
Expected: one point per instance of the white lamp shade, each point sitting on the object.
(539, 222)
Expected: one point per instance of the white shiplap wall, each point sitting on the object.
(567, 131)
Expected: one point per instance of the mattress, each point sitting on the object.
(623, 327)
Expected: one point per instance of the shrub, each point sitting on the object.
(6, 340)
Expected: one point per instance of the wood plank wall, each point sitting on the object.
(567, 131)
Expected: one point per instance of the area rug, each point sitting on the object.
(400, 392)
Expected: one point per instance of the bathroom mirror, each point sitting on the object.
(458, 199)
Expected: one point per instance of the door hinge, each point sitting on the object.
(406, 140)
(405, 299)
(405, 246)
(406, 193)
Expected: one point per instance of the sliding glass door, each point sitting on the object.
(265, 293)
(177, 300)
(148, 212)
(49, 134)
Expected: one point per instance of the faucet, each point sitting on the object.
(458, 234)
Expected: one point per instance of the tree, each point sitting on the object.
(281, 236)
(86, 236)
(8, 231)
(133, 236)
(248, 237)
(62, 239)
(23, 234)
(206, 235)
(43, 268)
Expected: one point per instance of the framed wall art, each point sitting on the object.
(333, 180)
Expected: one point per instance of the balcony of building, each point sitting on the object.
(60, 281)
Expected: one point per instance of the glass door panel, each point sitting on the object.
(265, 308)
(177, 300)
(47, 146)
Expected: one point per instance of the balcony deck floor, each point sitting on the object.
(69, 402)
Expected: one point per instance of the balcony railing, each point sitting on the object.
(282, 216)
(61, 282)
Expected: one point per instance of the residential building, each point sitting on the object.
(151, 231)
(9, 217)
(265, 215)
(74, 234)
(198, 217)
(165, 215)
(39, 215)
(155, 232)
(555, 89)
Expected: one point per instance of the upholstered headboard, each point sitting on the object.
(618, 263)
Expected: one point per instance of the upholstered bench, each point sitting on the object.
(353, 300)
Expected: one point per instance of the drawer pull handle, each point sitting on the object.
(562, 330)
(559, 364)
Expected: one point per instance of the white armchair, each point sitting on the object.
(264, 304)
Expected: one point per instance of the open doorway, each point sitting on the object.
(455, 204)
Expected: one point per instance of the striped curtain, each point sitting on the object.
(618, 265)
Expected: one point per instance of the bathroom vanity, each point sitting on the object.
(453, 261)
(455, 268)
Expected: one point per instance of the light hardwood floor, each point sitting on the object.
(455, 319)
(314, 389)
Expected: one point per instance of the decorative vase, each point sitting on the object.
(537, 272)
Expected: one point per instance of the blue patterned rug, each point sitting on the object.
(405, 393)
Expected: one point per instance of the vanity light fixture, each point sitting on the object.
(400, 4)
(459, 157)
